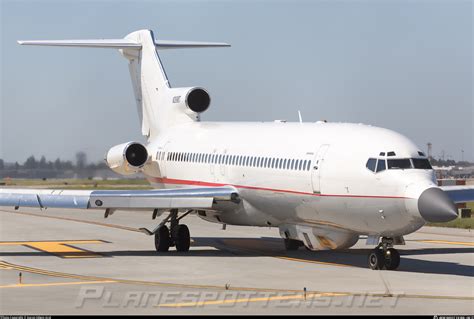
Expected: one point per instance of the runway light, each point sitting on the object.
(304, 290)
(19, 278)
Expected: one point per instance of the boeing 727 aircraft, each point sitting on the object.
(322, 184)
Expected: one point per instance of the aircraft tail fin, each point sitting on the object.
(150, 83)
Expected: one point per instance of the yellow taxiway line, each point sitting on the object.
(58, 284)
(247, 300)
(91, 279)
(61, 249)
(463, 243)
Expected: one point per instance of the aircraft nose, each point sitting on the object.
(435, 206)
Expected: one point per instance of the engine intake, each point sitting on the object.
(192, 101)
(198, 100)
(127, 158)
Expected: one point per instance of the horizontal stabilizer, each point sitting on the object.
(169, 44)
(123, 44)
(104, 43)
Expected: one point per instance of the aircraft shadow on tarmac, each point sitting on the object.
(273, 247)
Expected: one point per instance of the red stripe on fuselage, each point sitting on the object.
(200, 183)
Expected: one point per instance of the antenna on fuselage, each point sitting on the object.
(299, 115)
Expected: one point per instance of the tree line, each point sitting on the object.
(43, 164)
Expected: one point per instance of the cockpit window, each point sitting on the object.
(421, 163)
(399, 163)
(371, 164)
(380, 165)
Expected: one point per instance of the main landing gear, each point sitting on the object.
(384, 256)
(292, 244)
(176, 235)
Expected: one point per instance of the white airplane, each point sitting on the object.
(322, 184)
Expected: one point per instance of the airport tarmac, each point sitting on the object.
(77, 262)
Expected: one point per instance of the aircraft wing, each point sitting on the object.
(184, 198)
(460, 194)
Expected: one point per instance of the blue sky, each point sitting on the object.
(404, 65)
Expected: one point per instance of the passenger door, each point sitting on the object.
(212, 165)
(317, 168)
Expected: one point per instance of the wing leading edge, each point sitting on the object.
(459, 194)
(191, 198)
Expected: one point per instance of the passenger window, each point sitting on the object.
(371, 164)
(380, 165)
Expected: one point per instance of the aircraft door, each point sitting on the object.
(317, 168)
(162, 162)
(212, 164)
(223, 163)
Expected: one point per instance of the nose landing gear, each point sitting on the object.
(384, 256)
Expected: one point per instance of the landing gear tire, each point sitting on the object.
(376, 259)
(183, 239)
(292, 244)
(162, 239)
(392, 259)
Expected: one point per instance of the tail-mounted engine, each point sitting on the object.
(193, 100)
(127, 158)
